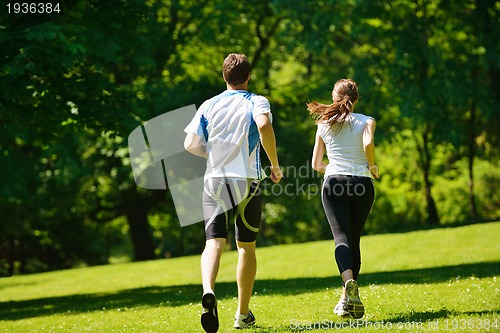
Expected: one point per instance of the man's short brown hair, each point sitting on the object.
(236, 69)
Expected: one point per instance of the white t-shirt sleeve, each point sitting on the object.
(197, 124)
(261, 106)
(322, 130)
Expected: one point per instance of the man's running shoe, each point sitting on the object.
(341, 308)
(354, 306)
(209, 318)
(242, 321)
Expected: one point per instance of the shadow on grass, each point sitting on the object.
(172, 296)
(413, 322)
(432, 316)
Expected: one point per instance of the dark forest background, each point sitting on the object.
(74, 84)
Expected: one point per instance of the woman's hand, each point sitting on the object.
(374, 171)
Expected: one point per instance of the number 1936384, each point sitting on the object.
(33, 8)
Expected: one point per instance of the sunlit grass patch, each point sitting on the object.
(442, 280)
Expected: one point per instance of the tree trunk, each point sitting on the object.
(472, 199)
(309, 64)
(425, 164)
(136, 212)
(264, 39)
(140, 234)
(11, 256)
(424, 147)
(432, 215)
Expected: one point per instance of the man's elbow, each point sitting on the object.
(187, 145)
(192, 149)
(263, 123)
(189, 142)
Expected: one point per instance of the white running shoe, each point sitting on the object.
(354, 306)
(242, 321)
(341, 308)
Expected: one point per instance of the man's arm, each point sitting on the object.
(195, 146)
(268, 140)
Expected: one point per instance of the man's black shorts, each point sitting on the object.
(237, 197)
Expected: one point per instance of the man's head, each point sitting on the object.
(236, 69)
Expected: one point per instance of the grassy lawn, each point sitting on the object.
(442, 280)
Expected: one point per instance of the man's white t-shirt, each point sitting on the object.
(226, 123)
(345, 151)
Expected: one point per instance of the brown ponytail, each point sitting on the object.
(344, 95)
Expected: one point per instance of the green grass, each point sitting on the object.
(413, 281)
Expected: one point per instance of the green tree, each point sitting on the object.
(75, 84)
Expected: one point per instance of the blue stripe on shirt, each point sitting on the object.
(204, 126)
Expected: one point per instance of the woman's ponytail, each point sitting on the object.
(345, 95)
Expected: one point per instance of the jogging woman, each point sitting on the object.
(347, 195)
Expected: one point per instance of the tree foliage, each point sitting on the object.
(75, 84)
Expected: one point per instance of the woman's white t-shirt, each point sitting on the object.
(345, 150)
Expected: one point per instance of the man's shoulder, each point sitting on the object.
(258, 97)
(210, 101)
(261, 102)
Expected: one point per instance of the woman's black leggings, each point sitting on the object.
(347, 201)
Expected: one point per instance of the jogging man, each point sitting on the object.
(228, 130)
